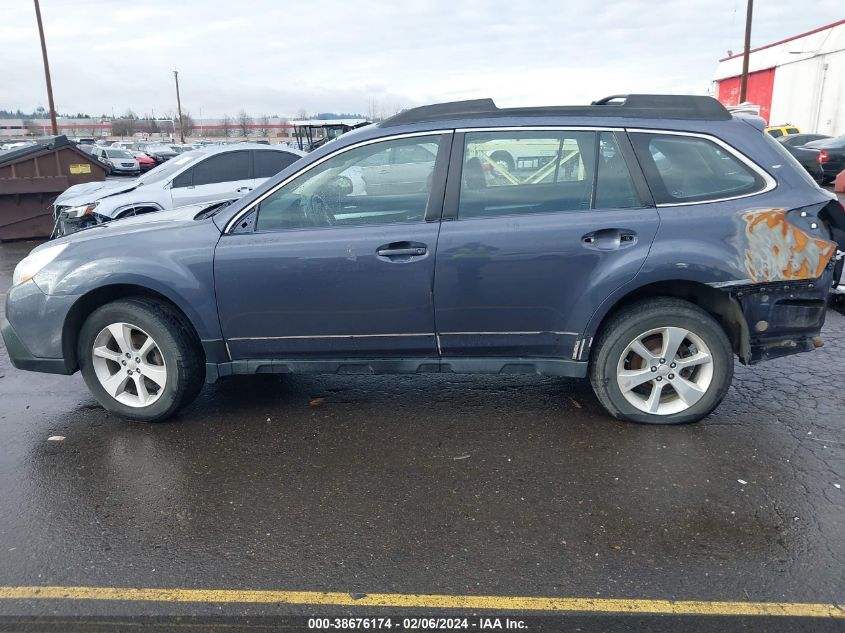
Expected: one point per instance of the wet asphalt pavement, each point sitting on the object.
(513, 485)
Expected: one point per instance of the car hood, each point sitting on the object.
(93, 191)
(169, 220)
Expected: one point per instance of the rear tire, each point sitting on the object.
(503, 158)
(140, 359)
(661, 361)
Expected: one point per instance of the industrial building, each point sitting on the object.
(799, 80)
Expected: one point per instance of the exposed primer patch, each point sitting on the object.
(779, 251)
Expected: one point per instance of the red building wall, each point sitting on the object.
(759, 91)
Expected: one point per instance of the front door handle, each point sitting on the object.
(243, 189)
(402, 250)
(609, 239)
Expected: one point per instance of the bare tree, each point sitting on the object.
(302, 114)
(125, 125)
(188, 124)
(226, 125)
(244, 122)
(283, 127)
(264, 126)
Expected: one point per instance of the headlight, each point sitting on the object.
(78, 212)
(33, 263)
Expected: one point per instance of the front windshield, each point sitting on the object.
(168, 169)
(118, 153)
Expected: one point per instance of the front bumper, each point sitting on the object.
(22, 358)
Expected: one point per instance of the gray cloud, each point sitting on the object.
(276, 57)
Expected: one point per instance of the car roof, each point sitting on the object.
(636, 106)
(219, 149)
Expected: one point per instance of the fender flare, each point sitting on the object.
(119, 211)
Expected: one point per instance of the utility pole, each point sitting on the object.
(53, 123)
(179, 107)
(746, 52)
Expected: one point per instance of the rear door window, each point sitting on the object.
(614, 186)
(507, 173)
(683, 169)
(268, 163)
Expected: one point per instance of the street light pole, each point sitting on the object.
(746, 52)
(179, 107)
(53, 123)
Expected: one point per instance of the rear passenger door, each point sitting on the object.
(539, 227)
(220, 176)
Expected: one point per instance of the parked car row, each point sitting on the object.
(822, 156)
(15, 145)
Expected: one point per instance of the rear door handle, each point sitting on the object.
(609, 239)
(402, 249)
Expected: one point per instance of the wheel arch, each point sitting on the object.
(718, 303)
(133, 209)
(90, 301)
(505, 156)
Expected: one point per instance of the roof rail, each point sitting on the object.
(449, 110)
(643, 106)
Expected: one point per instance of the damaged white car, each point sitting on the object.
(212, 173)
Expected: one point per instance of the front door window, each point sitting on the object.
(361, 186)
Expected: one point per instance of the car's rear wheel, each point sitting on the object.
(661, 361)
(504, 159)
(140, 359)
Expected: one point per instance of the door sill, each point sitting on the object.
(372, 366)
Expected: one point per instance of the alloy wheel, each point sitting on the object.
(129, 365)
(665, 370)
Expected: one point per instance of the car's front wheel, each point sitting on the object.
(140, 359)
(661, 361)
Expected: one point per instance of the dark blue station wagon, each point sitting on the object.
(641, 241)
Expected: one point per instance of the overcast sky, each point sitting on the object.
(272, 57)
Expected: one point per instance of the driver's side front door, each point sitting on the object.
(321, 269)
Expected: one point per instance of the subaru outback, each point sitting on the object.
(642, 242)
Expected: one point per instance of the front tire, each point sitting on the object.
(140, 359)
(661, 361)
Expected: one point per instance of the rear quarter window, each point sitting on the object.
(682, 169)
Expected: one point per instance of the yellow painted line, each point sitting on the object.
(429, 601)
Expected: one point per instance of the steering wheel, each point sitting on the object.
(318, 212)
